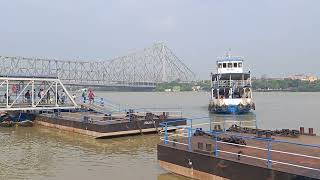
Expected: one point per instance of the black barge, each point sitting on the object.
(100, 125)
(200, 154)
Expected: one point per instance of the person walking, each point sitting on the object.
(42, 94)
(91, 97)
(63, 97)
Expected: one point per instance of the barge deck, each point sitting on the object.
(208, 156)
(106, 126)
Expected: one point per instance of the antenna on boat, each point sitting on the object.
(228, 53)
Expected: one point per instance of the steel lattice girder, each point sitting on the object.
(143, 68)
(15, 99)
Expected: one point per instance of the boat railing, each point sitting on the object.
(232, 83)
(184, 134)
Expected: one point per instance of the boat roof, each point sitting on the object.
(229, 58)
(234, 76)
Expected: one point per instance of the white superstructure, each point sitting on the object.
(231, 86)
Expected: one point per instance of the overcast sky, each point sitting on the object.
(277, 38)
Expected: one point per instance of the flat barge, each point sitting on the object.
(100, 125)
(203, 154)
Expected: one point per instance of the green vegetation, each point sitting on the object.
(286, 85)
(174, 86)
(177, 86)
(258, 85)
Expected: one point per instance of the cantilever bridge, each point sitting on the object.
(144, 68)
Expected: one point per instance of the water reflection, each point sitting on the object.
(225, 121)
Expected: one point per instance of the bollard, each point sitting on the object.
(301, 130)
(311, 132)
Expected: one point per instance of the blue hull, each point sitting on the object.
(231, 109)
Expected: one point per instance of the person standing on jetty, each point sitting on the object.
(42, 95)
(63, 97)
(84, 96)
(5, 98)
(91, 96)
(101, 102)
(48, 97)
(28, 96)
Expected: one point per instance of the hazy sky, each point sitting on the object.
(277, 37)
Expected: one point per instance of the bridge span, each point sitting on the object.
(144, 68)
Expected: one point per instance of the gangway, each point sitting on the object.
(22, 93)
(96, 108)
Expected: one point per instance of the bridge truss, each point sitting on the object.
(28, 93)
(144, 68)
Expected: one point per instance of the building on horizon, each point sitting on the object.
(303, 77)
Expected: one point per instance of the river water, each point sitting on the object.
(45, 153)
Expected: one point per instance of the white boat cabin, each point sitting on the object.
(230, 65)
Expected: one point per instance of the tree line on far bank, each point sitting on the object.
(257, 85)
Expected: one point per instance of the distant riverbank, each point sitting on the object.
(259, 85)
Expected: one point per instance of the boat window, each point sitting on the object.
(235, 65)
(220, 65)
(240, 65)
(229, 65)
(224, 65)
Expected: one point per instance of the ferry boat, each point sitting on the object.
(231, 91)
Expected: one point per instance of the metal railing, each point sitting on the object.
(183, 136)
(232, 83)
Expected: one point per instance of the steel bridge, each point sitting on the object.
(144, 68)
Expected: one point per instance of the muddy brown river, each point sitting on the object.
(44, 153)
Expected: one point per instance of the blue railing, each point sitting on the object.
(186, 132)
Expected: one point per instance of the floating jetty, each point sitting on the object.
(101, 125)
(216, 154)
(46, 101)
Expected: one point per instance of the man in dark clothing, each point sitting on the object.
(27, 96)
(48, 97)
